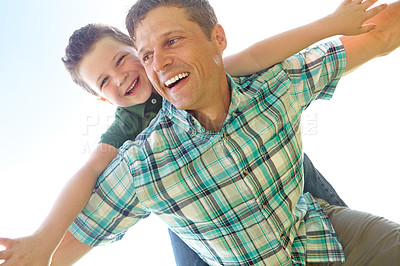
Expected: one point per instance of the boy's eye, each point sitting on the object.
(120, 60)
(104, 81)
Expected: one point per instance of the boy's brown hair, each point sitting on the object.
(82, 41)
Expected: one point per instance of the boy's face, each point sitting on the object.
(112, 69)
(184, 66)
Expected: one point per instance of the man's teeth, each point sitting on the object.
(175, 79)
(132, 86)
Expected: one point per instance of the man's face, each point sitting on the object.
(112, 69)
(184, 65)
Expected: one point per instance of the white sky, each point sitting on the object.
(49, 125)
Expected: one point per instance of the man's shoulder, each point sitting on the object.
(295, 64)
(251, 84)
(154, 128)
(332, 50)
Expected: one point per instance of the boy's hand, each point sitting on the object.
(350, 16)
(26, 251)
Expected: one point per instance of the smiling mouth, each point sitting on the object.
(175, 80)
(133, 87)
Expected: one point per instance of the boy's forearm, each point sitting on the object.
(69, 251)
(74, 197)
(275, 49)
(68, 205)
(293, 41)
(348, 19)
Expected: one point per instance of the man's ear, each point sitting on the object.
(219, 34)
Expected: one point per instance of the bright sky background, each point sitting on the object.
(49, 125)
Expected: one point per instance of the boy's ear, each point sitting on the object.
(220, 37)
(104, 100)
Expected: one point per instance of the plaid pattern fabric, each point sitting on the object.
(234, 196)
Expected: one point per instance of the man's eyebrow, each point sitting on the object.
(161, 36)
(140, 52)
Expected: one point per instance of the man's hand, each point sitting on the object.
(380, 42)
(350, 16)
(26, 251)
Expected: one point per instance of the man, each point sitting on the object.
(222, 162)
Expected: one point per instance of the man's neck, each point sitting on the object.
(213, 116)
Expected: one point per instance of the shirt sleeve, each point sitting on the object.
(315, 73)
(112, 209)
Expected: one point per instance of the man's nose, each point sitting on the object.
(161, 59)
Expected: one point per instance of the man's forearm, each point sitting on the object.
(385, 39)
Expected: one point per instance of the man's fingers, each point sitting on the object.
(5, 255)
(5, 242)
(376, 10)
(368, 3)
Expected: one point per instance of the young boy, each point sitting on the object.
(108, 67)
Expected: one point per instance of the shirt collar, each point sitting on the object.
(186, 120)
(153, 104)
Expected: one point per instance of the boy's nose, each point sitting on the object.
(120, 78)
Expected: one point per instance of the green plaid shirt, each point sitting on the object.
(234, 196)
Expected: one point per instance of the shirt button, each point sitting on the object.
(264, 206)
(224, 136)
(246, 172)
(193, 131)
(153, 101)
(292, 256)
(283, 237)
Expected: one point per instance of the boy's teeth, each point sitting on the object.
(176, 78)
(132, 86)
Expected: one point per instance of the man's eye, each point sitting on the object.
(146, 58)
(103, 82)
(172, 41)
(120, 60)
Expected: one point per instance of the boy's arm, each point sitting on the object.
(39, 247)
(360, 49)
(69, 251)
(348, 19)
